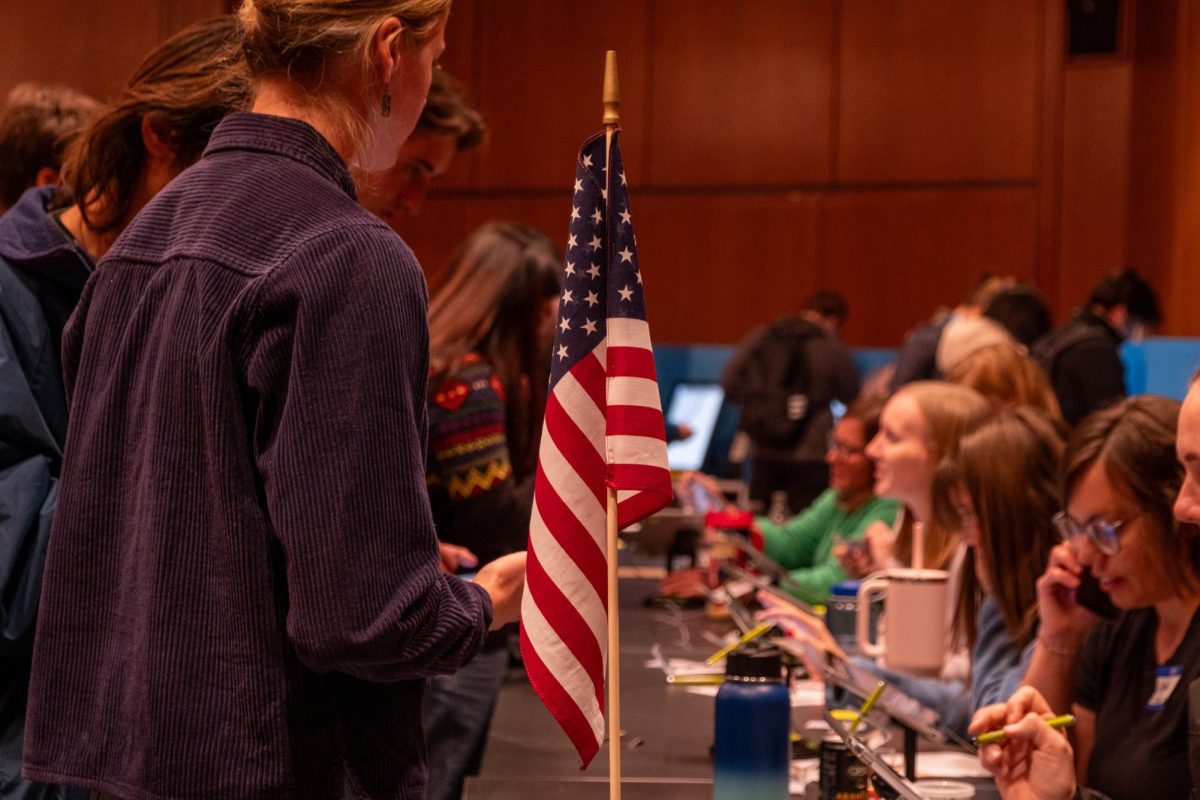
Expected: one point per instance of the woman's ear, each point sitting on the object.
(159, 140)
(385, 48)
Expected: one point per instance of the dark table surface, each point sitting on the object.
(668, 730)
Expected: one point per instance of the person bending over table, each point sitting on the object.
(1126, 679)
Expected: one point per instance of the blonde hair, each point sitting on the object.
(951, 412)
(323, 47)
(1006, 375)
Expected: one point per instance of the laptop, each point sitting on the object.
(697, 405)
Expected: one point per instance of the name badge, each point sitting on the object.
(1166, 678)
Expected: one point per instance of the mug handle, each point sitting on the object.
(871, 586)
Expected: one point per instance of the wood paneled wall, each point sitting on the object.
(890, 150)
(91, 46)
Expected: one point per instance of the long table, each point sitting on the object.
(668, 730)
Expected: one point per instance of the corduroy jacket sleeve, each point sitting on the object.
(336, 359)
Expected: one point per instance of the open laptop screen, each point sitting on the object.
(696, 405)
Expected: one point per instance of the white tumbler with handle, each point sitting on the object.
(915, 611)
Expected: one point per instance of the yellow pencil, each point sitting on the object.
(866, 706)
(1063, 721)
(750, 635)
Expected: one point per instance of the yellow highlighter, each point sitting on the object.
(748, 636)
(1063, 721)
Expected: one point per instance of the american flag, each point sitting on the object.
(604, 428)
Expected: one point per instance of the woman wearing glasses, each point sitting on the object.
(1125, 679)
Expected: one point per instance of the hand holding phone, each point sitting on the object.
(1093, 598)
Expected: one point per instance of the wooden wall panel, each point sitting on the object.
(896, 255)
(1095, 175)
(741, 93)
(717, 265)
(1158, 151)
(90, 47)
(541, 76)
(938, 90)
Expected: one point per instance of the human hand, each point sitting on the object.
(684, 431)
(504, 581)
(881, 541)
(1033, 761)
(453, 557)
(1063, 621)
(685, 583)
(806, 628)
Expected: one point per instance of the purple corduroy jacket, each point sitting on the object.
(242, 596)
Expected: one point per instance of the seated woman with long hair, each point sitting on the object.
(1000, 489)
(491, 323)
(1125, 679)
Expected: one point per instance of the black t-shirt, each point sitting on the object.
(1139, 752)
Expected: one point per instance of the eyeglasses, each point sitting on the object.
(834, 446)
(1101, 533)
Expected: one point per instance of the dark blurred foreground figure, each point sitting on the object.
(242, 593)
(491, 325)
(37, 125)
(784, 376)
(1082, 355)
(48, 245)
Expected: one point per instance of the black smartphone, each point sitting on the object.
(1093, 598)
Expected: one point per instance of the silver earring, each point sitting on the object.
(386, 108)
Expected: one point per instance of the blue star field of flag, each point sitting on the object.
(600, 275)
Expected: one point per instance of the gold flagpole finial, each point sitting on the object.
(612, 90)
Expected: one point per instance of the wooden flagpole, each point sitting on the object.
(612, 119)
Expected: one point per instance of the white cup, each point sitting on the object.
(944, 790)
(915, 608)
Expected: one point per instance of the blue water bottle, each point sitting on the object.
(752, 751)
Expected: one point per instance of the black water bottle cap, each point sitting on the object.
(755, 663)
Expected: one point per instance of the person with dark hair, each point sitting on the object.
(1081, 356)
(1124, 678)
(47, 251)
(1022, 311)
(783, 377)
(37, 125)
(828, 309)
(242, 594)
(491, 324)
(447, 127)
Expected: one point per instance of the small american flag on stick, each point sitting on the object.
(603, 429)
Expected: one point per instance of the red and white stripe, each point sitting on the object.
(603, 427)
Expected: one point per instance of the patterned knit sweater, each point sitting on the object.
(477, 501)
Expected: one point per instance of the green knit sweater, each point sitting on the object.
(804, 544)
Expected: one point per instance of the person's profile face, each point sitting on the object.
(407, 89)
(1135, 576)
(850, 471)
(400, 191)
(901, 452)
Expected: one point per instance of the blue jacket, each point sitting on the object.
(42, 273)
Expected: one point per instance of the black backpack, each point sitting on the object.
(770, 378)
(1047, 349)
